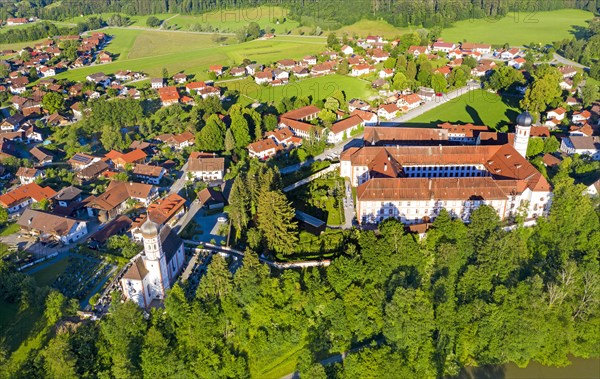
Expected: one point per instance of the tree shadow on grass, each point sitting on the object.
(474, 115)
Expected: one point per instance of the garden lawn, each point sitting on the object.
(519, 29)
(478, 107)
(191, 53)
(9, 229)
(318, 88)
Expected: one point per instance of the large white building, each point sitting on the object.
(155, 270)
(414, 182)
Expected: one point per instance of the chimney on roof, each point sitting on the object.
(385, 167)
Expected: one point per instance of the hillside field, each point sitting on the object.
(364, 28)
(478, 107)
(192, 53)
(519, 28)
(317, 88)
(230, 20)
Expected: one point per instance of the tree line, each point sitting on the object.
(465, 295)
(41, 30)
(315, 12)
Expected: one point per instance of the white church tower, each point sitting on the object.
(522, 132)
(155, 261)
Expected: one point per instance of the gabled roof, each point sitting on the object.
(300, 113)
(206, 164)
(346, 124)
(46, 222)
(20, 194)
(147, 170)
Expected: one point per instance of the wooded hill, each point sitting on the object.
(312, 12)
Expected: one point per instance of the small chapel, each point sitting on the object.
(156, 269)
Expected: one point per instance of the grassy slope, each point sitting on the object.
(150, 51)
(16, 325)
(519, 28)
(233, 19)
(364, 28)
(479, 107)
(318, 88)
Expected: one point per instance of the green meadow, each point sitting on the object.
(519, 28)
(193, 53)
(316, 88)
(478, 107)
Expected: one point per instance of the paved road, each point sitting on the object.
(180, 183)
(563, 60)
(336, 150)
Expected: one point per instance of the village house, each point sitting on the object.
(567, 71)
(157, 83)
(418, 50)
(122, 160)
(99, 79)
(347, 50)
(180, 78)
(177, 141)
(52, 227)
(411, 101)
(24, 195)
(558, 114)
(263, 77)
(445, 47)
(510, 53)
(360, 69)
(387, 111)
(168, 96)
(481, 48)
(41, 156)
(589, 146)
(79, 161)
(217, 69)
(194, 86)
(118, 197)
(149, 174)
(92, 172)
(285, 137)
(11, 21)
(28, 175)
(206, 167)
(264, 149)
(358, 104)
(580, 117)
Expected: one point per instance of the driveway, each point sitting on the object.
(210, 227)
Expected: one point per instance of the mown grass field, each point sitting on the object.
(317, 88)
(519, 28)
(230, 20)
(150, 51)
(478, 107)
